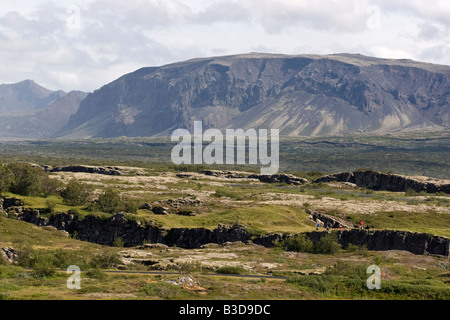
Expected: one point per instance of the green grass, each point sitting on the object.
(231, 270)
(257, 219)
(426, 222)
(347, 280)
(412, 154)
(167, 291)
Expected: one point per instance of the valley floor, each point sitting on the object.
(232, 270)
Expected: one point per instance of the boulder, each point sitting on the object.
(160, 210)
(146, 206)
(9, 254)
(325, 219)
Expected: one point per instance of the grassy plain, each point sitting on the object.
(232, 271)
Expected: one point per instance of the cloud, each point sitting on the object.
(44, 41)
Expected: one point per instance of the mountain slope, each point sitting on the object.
(302, 95)
(26, 95)
(40, 123)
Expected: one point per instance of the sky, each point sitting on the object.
(85, 44)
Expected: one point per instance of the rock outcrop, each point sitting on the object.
(327, 219)
(7, 203)
(274, 178)
(9, 255)
(108, 170)
(389, 182)
(134, 233)
(279, 178)
(381, 240)
(225, 174)
(417, 243)
(180, 206)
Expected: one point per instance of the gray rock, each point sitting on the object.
(160, 210)
(390, 182)
(9, 254)
(106, 231)
(279, 178)
(154, 246)
(146, 206)
(325, 219)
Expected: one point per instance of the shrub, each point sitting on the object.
(231, 270)
(224, 193)
(97, 274)
(50, 206)
(118, 242)
(25, 257)
(110, 200)
(6, 178)
(50, 186)
(43, 268)
(105, 260)
(328, 244)
(130, 207)
(299, 243)
(410, 192)
(306, 206)
(346, 269)
(165, 290)
(9, 271)
(27, 180)
(76, 193)
(63, 258)
(357, 249)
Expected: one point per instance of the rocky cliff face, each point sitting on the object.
(417, 243)
(302, 95)
(133, 233)
(390, 182)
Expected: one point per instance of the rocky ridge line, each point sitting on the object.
(389, 182)
(134, 233)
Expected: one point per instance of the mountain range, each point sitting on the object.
(28, 110)
(302, 95)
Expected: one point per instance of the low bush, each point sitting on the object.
(27, 180)
(97, 274)
(105, 260)
(166, 291)
(231, 270)
(328, 244)
(76, 193)
(299, 243)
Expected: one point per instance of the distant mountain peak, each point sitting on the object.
(29, 110)
(26, 95)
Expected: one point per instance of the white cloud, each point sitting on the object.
(116, 37)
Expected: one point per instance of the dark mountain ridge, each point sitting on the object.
(302, 95)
